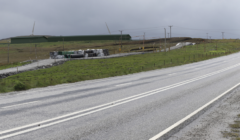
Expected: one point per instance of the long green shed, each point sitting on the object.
(29, 39)
(39, 39)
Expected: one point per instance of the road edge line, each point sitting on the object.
(168, 132)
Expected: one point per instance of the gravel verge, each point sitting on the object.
(214, 122)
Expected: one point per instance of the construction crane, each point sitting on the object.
(108, 28)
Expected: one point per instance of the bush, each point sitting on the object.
(19, 86)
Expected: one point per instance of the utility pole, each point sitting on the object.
(222, 35)
(170, 32)
(143, 39)
(168, 35)
(216, 45)
(165, 40)
(207, 37)
(8, 51)
(63, 44)
(36, 51)
(160, 44)
(121, 37)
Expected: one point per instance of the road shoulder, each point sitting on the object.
(213, 123)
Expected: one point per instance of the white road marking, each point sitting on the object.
(124, 84)
(159, 135)
(172, 73)
(17, 131)
(20, 104)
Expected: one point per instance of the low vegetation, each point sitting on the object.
(80, 70)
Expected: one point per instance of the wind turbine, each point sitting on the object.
(108, 28)
(33, 28)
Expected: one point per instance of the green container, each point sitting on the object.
(65, 53)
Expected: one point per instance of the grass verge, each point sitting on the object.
(80, 70)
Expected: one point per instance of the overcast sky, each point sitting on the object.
(189, 18)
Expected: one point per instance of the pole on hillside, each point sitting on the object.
(204, 46)
(63, 44)
(8, 51)
(170, 32)
(165, 40)
(143, 39)
(121, 38)
(160, 45)
(216, 45)
(36, 51)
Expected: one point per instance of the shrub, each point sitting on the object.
(19, 86)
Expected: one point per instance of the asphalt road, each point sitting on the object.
(131, 107)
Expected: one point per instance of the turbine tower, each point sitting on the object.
(33, 28)
(108, 28)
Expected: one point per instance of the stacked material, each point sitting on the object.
(79, 53)
(185, 43)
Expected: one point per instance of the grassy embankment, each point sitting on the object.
(80, 70)
(23, 52)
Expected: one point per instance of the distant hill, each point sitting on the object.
(5, 40)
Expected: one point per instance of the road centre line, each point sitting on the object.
(162, 133)
(19, 104)
(124, 84)
(43, 124)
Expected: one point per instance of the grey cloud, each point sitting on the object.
(85, 17)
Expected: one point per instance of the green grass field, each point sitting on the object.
(80, 70)
(23, 52)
